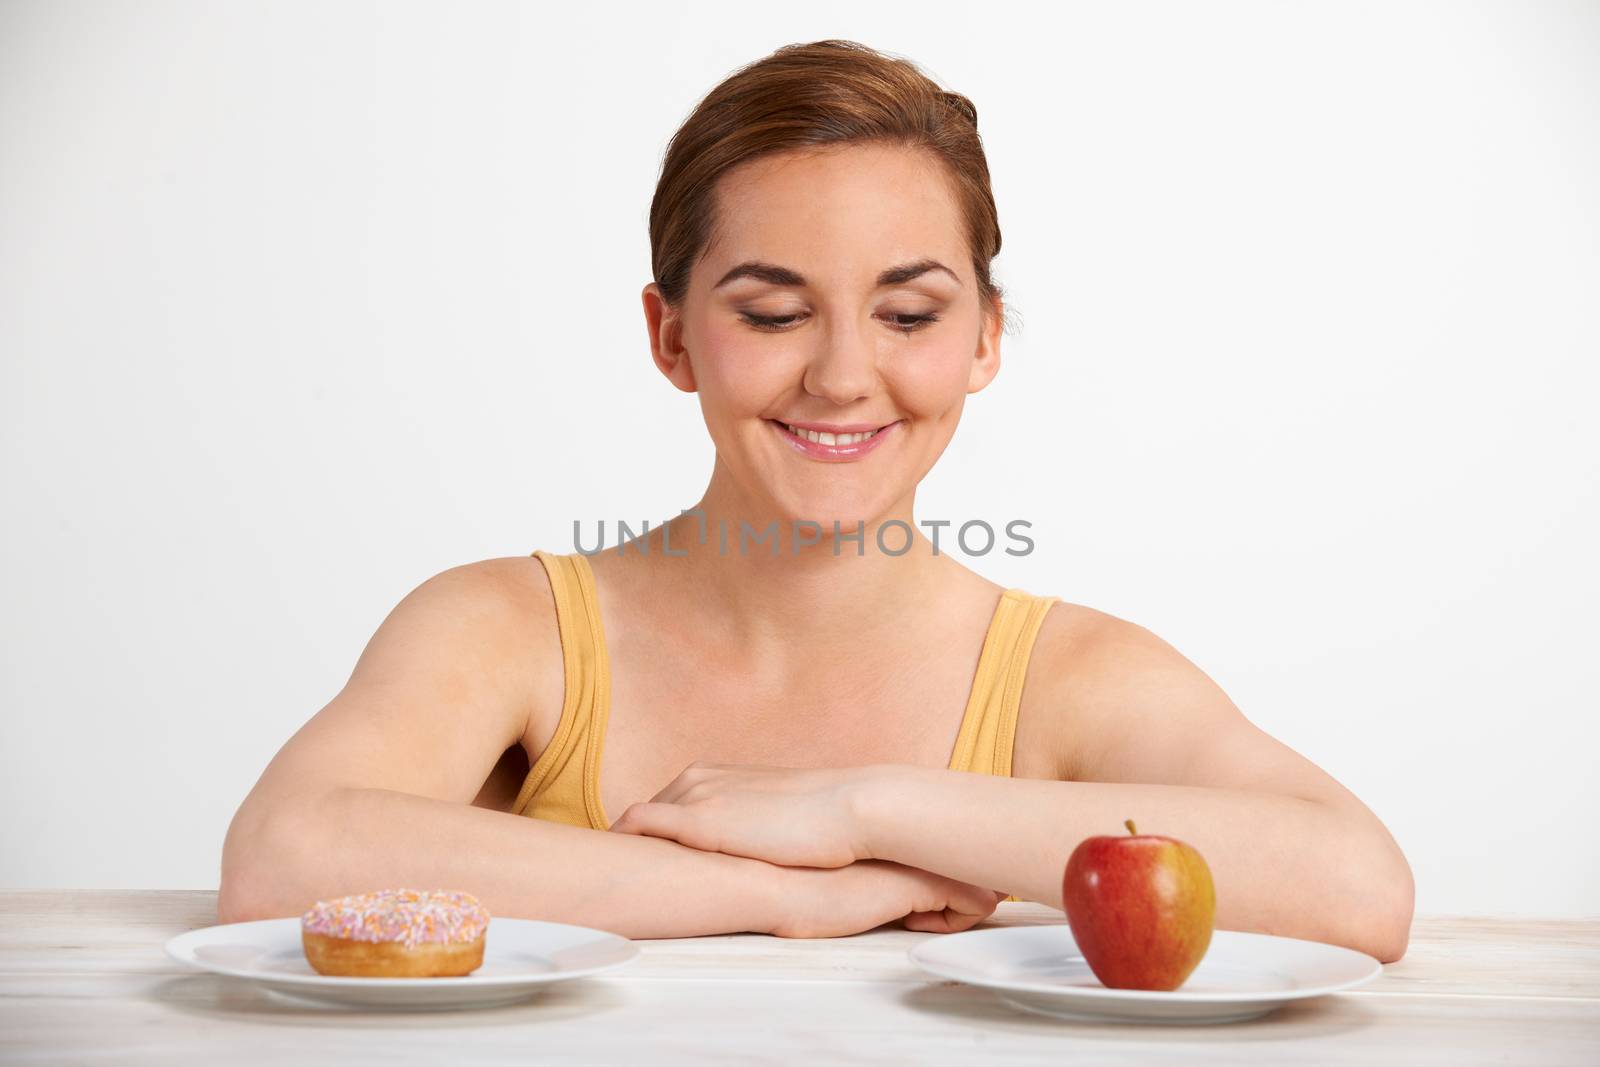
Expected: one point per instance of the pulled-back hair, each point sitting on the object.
(805, 96)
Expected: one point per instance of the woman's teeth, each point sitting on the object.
(829, 438)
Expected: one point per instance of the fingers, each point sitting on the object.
(649, 818)
(928, 922)
(687, 779)
(973, 900)
(673, 789)
(966, 921)
(965, 906)
(673, 822)
(945, 921)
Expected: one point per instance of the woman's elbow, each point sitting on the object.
(1395, 928)
(261, 867)
(1364, 889)
(1383, 924)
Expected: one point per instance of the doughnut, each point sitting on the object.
(396, 933)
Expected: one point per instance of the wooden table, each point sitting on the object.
(83, 978)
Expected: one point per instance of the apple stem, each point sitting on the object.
(1129, 824)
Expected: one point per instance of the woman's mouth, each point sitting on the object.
(829, 446)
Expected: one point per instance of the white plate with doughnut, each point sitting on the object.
(520, 957)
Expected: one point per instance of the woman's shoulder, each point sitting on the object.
(507, 604)
(1092, 672)
(1072, 640)
(1077, 638)
(504, 590)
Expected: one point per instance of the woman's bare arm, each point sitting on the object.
(375, 791)
(1292, 851)
(1138, 732)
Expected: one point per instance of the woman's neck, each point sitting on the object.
(790, 593)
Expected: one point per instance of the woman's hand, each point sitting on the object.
(838, 902)
(785, 815)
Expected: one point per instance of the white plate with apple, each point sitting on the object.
(1241, 976)
(1143, 907)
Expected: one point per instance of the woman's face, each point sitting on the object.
(837, 292)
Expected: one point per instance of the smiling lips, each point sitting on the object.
(817, 444)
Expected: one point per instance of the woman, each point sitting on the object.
(838, 726)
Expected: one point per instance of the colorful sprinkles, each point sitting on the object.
(411, 915)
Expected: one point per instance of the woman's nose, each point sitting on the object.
(843, 369)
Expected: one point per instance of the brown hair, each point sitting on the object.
(832, 92)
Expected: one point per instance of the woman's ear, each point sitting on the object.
(666, 339)
(986, 362)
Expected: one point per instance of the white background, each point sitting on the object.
(303, 303)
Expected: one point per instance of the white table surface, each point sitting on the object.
(83, 979)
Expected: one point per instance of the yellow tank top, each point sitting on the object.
(563, 783)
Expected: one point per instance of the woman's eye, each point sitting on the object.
(912, 323)
(767, 322)
(905, 323)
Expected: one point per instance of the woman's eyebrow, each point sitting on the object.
(776, 275)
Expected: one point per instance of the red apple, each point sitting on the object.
(1140, 908)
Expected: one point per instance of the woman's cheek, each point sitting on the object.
(744, 379)
(930, 382)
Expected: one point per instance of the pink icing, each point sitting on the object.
(410, 915)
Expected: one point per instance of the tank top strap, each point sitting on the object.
(562, 784)
(989, 725)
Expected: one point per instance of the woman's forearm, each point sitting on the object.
(1281, 864)
(278, 862)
